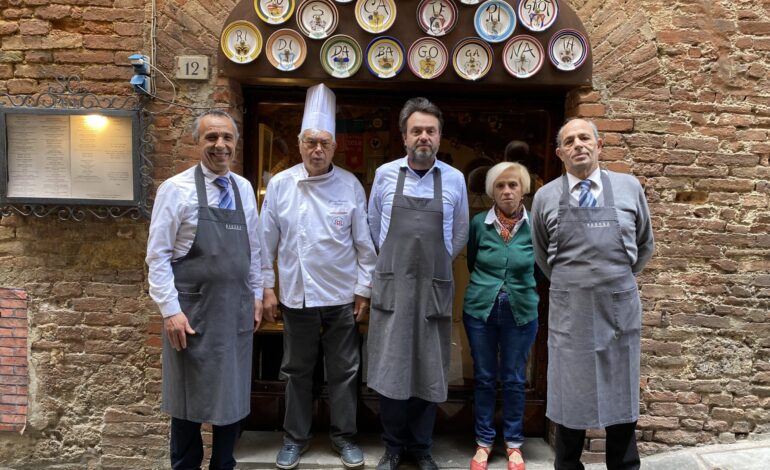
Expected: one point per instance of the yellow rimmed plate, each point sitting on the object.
(286, 50)
(472, 58)
(341, 56)
(375, 16)
(241, 42)
(317, 19)
(274, 11)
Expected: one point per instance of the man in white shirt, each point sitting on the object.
(418, 215)
(204, 256)
(314, 222)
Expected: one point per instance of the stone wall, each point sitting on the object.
(680, 92)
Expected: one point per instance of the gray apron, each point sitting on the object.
(210, 381)
(594, 319)
(411, 307)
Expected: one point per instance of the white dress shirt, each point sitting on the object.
(455, 200)
(491, 218)
(173, 227)
(596, 184)
(316, 227)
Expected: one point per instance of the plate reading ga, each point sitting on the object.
(192, 67)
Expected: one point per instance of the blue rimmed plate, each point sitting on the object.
(472, 58)
(341, 56)
(568, 49)
(495, 20)
(523, 56)
(385, 57)
(538, 15)
(274, 11)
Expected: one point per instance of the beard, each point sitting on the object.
(422, 156)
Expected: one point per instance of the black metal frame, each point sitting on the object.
(67, 97)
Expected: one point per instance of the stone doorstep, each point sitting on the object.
(257, 450)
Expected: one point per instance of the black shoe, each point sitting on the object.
(389, 462)
(288, 456)
(350, 454)
(426, 462)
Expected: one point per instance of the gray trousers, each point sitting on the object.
(336, 330)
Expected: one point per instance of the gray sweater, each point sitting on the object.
(633, 216)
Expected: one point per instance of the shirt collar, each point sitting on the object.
(305, 176)
(595, 177)
(491, 218)
(210, 175)
(405, 160)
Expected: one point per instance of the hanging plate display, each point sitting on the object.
(427, 58)
(241, 42)
(317, 19)
(472, 58)
(343, 1)
(375, 16)
(495, 21)
(286, 49)
(341, 56)
(437, 17)
(538, 15)
(274, 11)
(523, 56)
(568, 49)
(385, 57)
(470, 2)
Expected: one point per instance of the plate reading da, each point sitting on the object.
(192, 67)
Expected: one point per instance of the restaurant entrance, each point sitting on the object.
(478, 128)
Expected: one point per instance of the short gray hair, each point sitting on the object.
(196, 133)
(590, 122)
(419, 105)
(497, 170)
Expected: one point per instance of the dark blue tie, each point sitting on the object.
(586, 199)
(225, 200)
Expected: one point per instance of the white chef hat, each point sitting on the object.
(320, 109)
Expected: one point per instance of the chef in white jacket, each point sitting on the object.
(314, 222)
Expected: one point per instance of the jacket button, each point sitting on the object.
(617, 334)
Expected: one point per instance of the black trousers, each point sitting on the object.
(621, 452)
(407, 425)
(187, 445)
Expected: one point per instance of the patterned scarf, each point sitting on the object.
(507, 223)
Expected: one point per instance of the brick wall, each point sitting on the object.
(14, 374)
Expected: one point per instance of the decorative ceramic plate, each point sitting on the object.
(385, 57)
(375, 16)
(341, 56)
(472, 58)
(523, 56)
(495, 20)
(437, 17)
(241, 42)
(427, 58)
(470, 2)
(343, 1)
(317, 19)
(286, 49)
(274, 11)
(568, 49)
(538, 15)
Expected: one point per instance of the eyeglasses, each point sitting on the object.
(311, 144)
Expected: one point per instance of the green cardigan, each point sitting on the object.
(494, 263)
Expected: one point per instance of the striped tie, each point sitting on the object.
(225, 200)
(586, 198)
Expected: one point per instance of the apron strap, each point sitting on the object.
(437, 189)
(200, 187)
(237, 193)
(400, 183)
(565, 194)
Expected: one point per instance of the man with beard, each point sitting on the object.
(418, 216)
(204, 256)
(592, 235)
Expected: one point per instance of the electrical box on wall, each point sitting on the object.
(192, 67)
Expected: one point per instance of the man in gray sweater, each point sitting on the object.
(592, 235)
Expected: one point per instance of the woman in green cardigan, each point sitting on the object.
(500, 310)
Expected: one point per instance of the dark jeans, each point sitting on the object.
(187, 445)
(407, 425)
(621, 451)
(336, 330)
(499, 347)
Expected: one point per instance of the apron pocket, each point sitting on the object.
(246, 314)
(443, 295)
(190, 302)
(627, 310)
(559, 312)
(383, 292)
